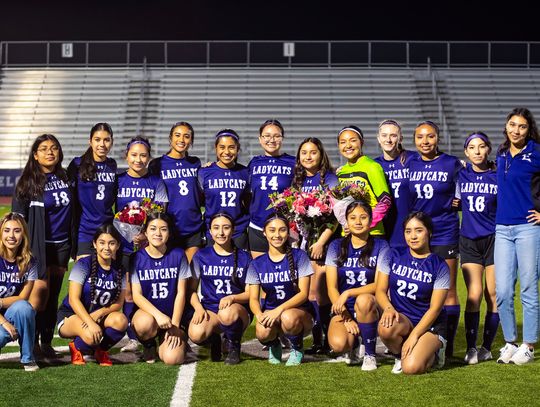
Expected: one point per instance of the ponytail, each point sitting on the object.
(292, 267)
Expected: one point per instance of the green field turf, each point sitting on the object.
(256, 383)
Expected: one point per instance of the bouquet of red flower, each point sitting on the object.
(130, 220)
(342, 195)
(310, 212)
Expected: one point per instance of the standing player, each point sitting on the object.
(18, 271)
(43, 197)
(395, 163)
(220, 272)
(179, 172)
(517, 238)
(159, 285)
(364, 171)
(136, 184)
(432, 185)
(91, 313)
(268, 173)
(283, 275)
(411, 289)
(351, 265)
(478, 189)
(314, 171)
(225, 187)
(93, 176)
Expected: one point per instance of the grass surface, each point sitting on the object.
(256, 383)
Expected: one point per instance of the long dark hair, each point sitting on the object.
(435, 127)
(402, 152)
(288, 249)
(116, 265)
(234, 276)
(33, 180)
(190, 128)
(87, 168)
(533, 133)
(344, 247)
(164, 217)
(228, 133)
(324, 167)
(272, 122)
(423, 217)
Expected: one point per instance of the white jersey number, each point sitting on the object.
(478, 204)
(160, 290)
(352, 279)
(228, 199)
(62, 200)
(395, 187)
(424, 192)
(407, 289)
(101, 192)
(183, 189)
(273, 183)
(223, 287)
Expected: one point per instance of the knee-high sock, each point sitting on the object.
(297, 341)
(51, 308)
(111, 336)
(472, 319)
(317, 327)
(324, 312)
(452, 323)
(129, 310)
(491, 324)
(369, 336)
(83, 346)
(234, 331)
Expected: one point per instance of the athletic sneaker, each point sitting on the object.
(131, 346)
(523, 355)
(440, 356)
(274, 353)
(102, 357)
(295, 357)
(215, 347)
(76, 355)
(30, 366)
(484, 354)
(149, 354)
(396, 369)
(233, 357)
(507, 351)
(369, 363)
(471, 357)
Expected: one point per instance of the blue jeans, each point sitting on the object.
(22, 316)
(517, 254)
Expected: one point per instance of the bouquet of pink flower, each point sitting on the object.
(310, 212)
(130, 220)
(342, 195)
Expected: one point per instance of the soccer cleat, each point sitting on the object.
(523, 355)
(369, 363)
(471, 357)
(285, 342)
(274, 353)
(507, 351)
(396, 369)
(233, 357)
(76, 355)
(149, 354)
(215, 347)
(131, 346)
(30, 366)
(440, 356)
(315, 350)
(295, 357)
(102, 357)
(484, 354)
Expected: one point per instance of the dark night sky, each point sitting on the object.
(264, 20)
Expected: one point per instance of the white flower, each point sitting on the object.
(313, 211)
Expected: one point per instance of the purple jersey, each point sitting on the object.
(314, 182)
(10, 282)
(275, 278)
(136, 189)
(267, 175)
(225, 190)
(58, 203)
(158, 277)
(214, 272)
(478, 192)
(412, 280)
(105, 289)
(353, 273)
(397, 176)
(180, 177)
(96, 198)
(432, 185)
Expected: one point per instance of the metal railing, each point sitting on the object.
(271, 53)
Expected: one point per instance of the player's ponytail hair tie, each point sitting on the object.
(354, 129)
(477, 134)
